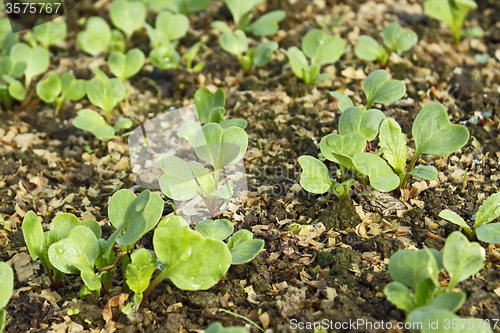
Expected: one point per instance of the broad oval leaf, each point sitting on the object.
(36, 59)
(49, 88)
(219, 146)
(192, 261)
(91, 121)
(6, 283)
(461, 258)
(72, 88)
(367, 122)
(344, 102)
(413, 267)
(263, 53)
(50, 33)
(393, 145)
(17, 90)
(33, 234)
(368, 48)
(118, 205)
(243, 247)
(80, 248)
(234, 42)
(382, 178)
(178, 181)
(443, 317)
(298, 62)
(239, 8)
(399, 295)
(140, 270)
(238, 122)
(267, 24)
(425, 172)
(489, 210)
(65, 222)
(315, 177)
(489, 233)
(216, 229)
(341, 148)
(165, 57)
(127, 16)
(434, 134)
(96, 37)
(172, 26)
(321, 48)
(379, 88)
(205, 101)
(398, 39)
(126, 66)
(105, 94)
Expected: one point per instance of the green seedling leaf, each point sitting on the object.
(50, 33)
(344, 102)
(179, 6)
(224, 192)
(218, 229)
(221, 26)
(205, 102)
(178, 181)
(33, 235)
(36, 59)
(263, 53)
(50, 88)
(93, 122)
(425, 172)
(6, 283)
(454, 218)
(445, 321)
(220, 147)
(393, 145)
(64, 223)
(165, 56)
(489, 233)
(80, 249)
(217, 327)
(189, 129)
(240, 8)
(105, 95)
(369, 49)
(140, 270)
(382, 178)
(7, 67)
(192, 261)
(234, 42)
(96, 37)
(127, 16)
(315, 177)
(321, 48)
(190, 54)
(379, 88)
(398, 39)
(453, 13)
(298, 62)
(489, 210)
(267, 24)
(412, 267)
(451, 301)
(171, 26)
(434, 134)
(461, 258)
(399, 295)
(124, 198)
(89, 277)
(354, 119)
(118, 42)
(142, 215)
(243, 247)
(238, 122)
(17, 91)
(123, 123)
(126, 66)
(341, 148)
(425, 292)
(475, 32)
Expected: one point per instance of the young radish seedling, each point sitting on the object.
(452, 12)
(98, 38)
(483, 229)
(36, 59)
(419, 270)
(127, 16)
(236, 43)
(320, 49)
(396, 39)
(124, 66)
(56, 90)
(6, 289)
(10, 87)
